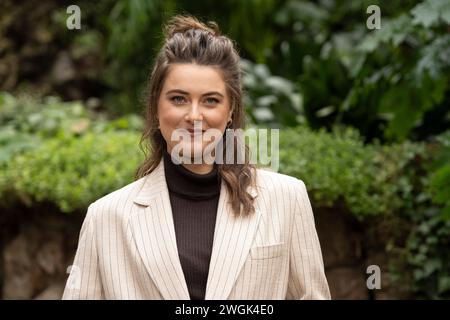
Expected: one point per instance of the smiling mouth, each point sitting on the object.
(195, 132)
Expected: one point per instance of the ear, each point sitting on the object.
(230, 114)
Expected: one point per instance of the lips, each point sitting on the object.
(192, 131)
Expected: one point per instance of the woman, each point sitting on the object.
(190, 229)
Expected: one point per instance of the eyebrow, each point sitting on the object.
(187, 93)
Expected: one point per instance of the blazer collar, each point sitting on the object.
(155, 182)
(154, 234)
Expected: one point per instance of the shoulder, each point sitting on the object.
(120, 198)
(270, 181)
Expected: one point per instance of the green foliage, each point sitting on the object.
(49, 118)
(430, 13)
(324, 66)
(390, 83)
(332, 166)
(41, 142)
(133, 36)
(270, 100)
(405, 70)
(423, 260)
(338, 166)
(24, 123)
(426, 256)
(411, 83)
(440, 175)
(75, 171)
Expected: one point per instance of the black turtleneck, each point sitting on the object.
(194, 199)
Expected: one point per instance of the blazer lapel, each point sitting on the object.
(233, 238)
(154, 233)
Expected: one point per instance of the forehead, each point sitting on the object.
(194, 78)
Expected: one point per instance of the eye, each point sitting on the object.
(212, 100)
(178, 99)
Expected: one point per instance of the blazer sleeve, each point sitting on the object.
(84, 281)
(306, 270)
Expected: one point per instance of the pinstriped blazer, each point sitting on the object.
(127, 246)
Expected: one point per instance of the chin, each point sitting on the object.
(196, 153)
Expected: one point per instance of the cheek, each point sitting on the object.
(217, 118)
(169, 119)
(169, 116)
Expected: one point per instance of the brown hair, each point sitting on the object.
(187, 40)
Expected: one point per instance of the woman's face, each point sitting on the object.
(192, 94)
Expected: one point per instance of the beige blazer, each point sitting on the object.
(127, 246)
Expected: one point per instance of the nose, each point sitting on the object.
(194, 113)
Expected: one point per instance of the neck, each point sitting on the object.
(199, 168)
(187, 183)
(202, 168)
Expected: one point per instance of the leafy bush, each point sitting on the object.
(271, 100)
(24, 123)
(73, 172)
(440, 175)
(338, 166)
(45, 119)
(426, 251)
(49, 148)
(425, 259)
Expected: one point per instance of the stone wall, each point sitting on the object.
(37, 248)
(348, 248)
